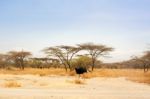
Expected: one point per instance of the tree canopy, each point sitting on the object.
(95, 51)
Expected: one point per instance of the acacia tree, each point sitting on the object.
(146, 59)
(64, 53)
(95, 51)
(18, 57)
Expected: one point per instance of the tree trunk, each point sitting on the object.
(145, 68)
(93, 64)
(69, 65)
(22, 64)
(65, 67)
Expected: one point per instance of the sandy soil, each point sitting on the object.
(63, 87)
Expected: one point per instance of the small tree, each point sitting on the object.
(82, 61)
(95, 51)
(18, 57)
(144, 60)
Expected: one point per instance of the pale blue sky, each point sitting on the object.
(35, 24)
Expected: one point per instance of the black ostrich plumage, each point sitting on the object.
(80, 70)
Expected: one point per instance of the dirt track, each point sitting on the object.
(61, 88)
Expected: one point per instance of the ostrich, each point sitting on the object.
(80, 70)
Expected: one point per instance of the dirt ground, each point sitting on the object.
(64, 87)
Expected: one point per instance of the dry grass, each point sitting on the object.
(76, 81)
(12, 84)
(87, 75)
(132, 74)
(79, 81)
(72, 73)
(33, 71)
(43, 84)
(136, 75)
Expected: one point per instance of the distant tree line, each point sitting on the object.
(68, 57)
(135, 62)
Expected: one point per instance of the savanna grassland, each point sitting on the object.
(136, 75)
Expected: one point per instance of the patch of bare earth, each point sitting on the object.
(66, 87)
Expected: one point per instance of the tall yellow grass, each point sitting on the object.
(12, 84)
(132, 74)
